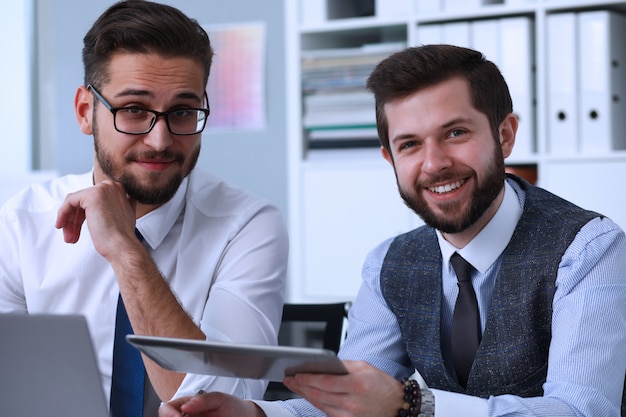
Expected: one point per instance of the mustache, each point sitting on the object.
(439, 178)
(153, 155)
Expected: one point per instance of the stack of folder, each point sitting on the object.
(338, 110)
(586, 82)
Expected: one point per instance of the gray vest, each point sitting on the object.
(520, 315)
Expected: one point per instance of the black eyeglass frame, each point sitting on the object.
(157, 114)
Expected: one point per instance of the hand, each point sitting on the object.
(365, 391)
(109, 213)
(213, 404)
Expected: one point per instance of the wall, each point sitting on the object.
(15, 44)
(255, 160)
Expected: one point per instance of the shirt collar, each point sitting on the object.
(155, 225)
(483, 250)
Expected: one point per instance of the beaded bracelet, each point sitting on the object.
(412, 399)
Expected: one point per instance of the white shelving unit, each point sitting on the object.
(344, 201)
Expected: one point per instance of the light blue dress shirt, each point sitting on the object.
(587, 358)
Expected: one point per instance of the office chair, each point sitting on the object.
(309, 325)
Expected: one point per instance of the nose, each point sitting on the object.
(159, 138)
(436, 157)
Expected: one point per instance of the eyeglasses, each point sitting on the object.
(139, 121)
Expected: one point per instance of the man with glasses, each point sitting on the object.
(144, 240)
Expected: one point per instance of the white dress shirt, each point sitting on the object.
(222, 251)
(587, 360)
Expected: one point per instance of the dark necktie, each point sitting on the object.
(127, 383)
(465, 333)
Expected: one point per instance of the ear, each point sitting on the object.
(386, 155)
(83, 107)
(507, 130)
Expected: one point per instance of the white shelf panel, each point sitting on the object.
(341, 193)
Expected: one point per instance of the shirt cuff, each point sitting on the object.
(452, 404)
(273, 408)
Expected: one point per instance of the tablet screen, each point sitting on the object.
(271, 363)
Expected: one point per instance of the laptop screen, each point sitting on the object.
(48, 367)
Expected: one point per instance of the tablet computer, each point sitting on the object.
(271, 363)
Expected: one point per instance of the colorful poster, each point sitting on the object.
(236, 87)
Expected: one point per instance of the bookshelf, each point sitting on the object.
(342, 194)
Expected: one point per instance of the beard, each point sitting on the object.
(454, 219)
(142, 193)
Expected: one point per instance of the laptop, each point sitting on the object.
(48, 367)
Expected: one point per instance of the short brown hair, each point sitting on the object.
(412, 69)
(139, 26)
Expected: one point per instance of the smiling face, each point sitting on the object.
(151, 166)
(449, 168)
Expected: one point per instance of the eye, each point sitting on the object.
(455, 133)
(407, 145)
(182, 113)
(133, 112)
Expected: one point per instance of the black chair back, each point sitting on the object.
(309, 325)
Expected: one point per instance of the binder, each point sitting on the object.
(429, 34)
(485, 37)
(602, 62)
(562, 85)
(456, 33)
(517, 66)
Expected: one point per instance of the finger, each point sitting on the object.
(132, 201)
(292, 386)
(329, 383)
(220, 404)
(174, 407)
(70, 218)
(333, 405)
(201, 403)
(318, 395)
(169, 409)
